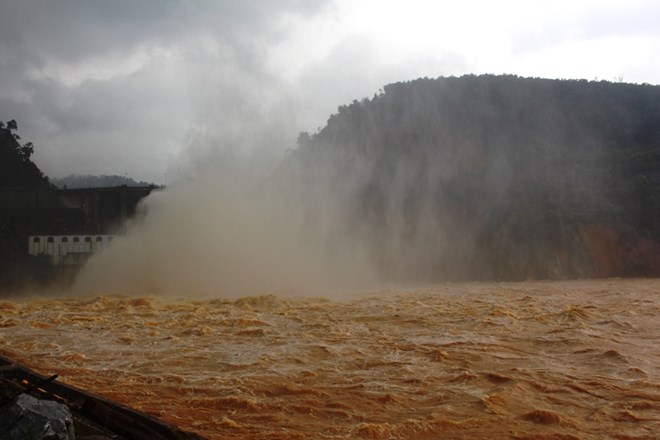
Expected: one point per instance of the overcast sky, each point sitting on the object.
(142, 87)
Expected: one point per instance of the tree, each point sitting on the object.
(16, 166)
(26, 151)
(304, 139)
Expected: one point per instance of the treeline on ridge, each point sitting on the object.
(490, 177)
(90, 181)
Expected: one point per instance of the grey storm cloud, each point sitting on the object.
(72, 30)
(102, 73)
(143, 87)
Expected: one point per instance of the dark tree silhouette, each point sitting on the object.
(16, 166)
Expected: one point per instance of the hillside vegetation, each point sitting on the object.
(489, 177)
(16, 168)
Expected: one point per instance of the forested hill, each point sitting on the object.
(90, 181)
(490, 177)
(16, 168)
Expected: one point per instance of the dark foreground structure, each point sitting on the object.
(94, 416)
(43, 215)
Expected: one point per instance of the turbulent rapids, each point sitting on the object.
(542, 360)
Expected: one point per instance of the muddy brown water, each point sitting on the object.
(541, 360)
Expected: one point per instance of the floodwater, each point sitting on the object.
(542, 360)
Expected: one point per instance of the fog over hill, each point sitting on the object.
(491, 177)
(478, 177)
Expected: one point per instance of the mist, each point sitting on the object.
(227, 224)
(471, 178)
(210, 237)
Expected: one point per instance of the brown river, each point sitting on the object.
(533, 360)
